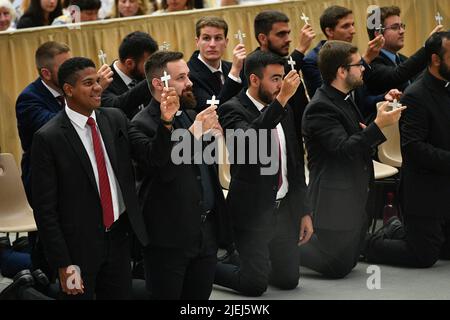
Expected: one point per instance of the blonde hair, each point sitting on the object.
(8, 5)
(143, 9)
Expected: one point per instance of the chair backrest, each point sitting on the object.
(389, 151)
(15, 212)
(224, 164)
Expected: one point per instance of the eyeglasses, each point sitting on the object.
(359, 64)
(396, 27)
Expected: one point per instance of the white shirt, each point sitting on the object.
(238, 80)
(79, 122)
(281, 138)
(122, 75)
(52, 91)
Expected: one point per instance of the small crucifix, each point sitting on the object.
(395, 104)
(304, 17)
(165, 46)
(213, 101)
(166, 79)
(438, 18)
(102, 57)
(292, 63)
(240, 35)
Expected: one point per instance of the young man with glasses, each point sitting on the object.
(391, 69)
(339, 149)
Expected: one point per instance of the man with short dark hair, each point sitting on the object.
(268, 208)
(210, 74)
(391, 69)
(425, 143)
(273, 35)
(39, 102)
(85, 202)
(129, 91)
(183, 204)
(339, 148)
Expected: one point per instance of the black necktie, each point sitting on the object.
(218, 79)
(132, 84)
(397, 59)
(61, 101)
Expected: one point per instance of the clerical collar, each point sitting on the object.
(339, 92)
(208, 66)
(122, 75)
(438, 82)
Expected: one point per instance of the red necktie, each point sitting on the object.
(103, 180)
(280, 173)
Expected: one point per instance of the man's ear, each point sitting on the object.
(68, 90)
(262, 39)
(46, 74)
(129, 63)
(435, 60)
(329, 33)
(157, 84)
(254, 79)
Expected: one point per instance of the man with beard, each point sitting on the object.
(425, 143)
(268, 208)
(183, 204)
(129, 91)
(273, 35)
(339, 149)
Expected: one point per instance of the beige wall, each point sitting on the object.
(17, 49)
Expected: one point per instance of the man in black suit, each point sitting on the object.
(183, 204)
(425, 143)
(339, 148)
(210, 74)
(129, 91)
(272, 33)
(39, 102)
(267, 206)
(84, 190)
(392, 69)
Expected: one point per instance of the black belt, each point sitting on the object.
(205, 215)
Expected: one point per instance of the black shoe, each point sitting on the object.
(21, 245)
(21, 281)
(394, 229)
(40, 279)
(231, 257)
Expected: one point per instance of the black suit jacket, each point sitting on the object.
(425, 145)
(205, 85)
(66, 200)
(384, 75)
(299, 100)
(251, 195)
(171, 194)
(35, 106)
(339, 160)
(130, 101)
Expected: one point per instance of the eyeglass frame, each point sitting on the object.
(360, 65)
(396, 27)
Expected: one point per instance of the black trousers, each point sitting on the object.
(183, 273)
(333, 253)
(111, 280)
(267, 256)
(427, 239)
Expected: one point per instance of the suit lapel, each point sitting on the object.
(248, 104)
(52, 102)
(108, 137)
(121, 87)
(78, 147)
(343, 106)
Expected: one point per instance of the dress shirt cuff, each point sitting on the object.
(235, 79)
